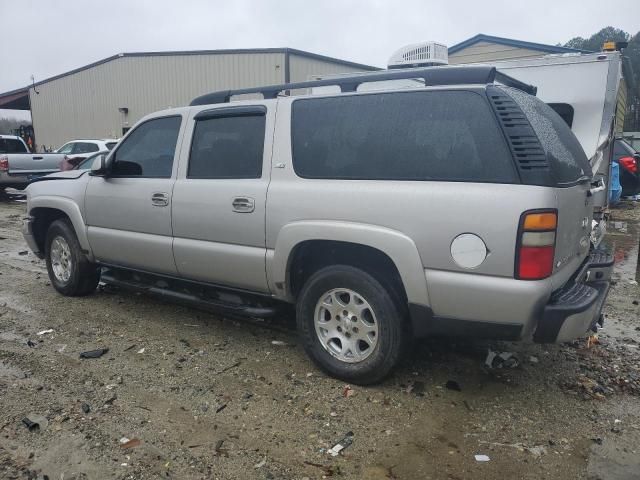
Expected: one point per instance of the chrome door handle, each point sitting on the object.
(160, 199)
(243, 204)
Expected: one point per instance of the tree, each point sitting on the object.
(594, 42)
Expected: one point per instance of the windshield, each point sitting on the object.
(12, 145)
(87, 162)
(65, 148)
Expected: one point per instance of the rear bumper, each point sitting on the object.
(577, 307)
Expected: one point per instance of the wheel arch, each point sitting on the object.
(45, 210)
(395, 249)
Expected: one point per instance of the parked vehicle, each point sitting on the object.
(77, 150)
(629, 161)
(18, 168)
(382, 216)
(87, 162)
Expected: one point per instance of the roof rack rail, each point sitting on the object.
(458, 75)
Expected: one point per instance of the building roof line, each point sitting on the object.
(481, 37)
(234, 51)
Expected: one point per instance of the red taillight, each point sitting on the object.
(4, 163)
(535, 245)
(629, 163)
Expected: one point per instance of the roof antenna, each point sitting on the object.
(33, 84)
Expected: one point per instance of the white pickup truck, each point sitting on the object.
(18, 166)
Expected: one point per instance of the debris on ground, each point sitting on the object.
(35, 423)
(141, 350)
(501, 359)
(94, 353)
(348, 391)
(453, 385)
(278, 342)
(134, 442)
(86, 408)
(219, 451)
(341, 445)
(482, 458)
(44, 332)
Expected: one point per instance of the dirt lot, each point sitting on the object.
(209, 397)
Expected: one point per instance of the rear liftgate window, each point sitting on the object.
(438, 135)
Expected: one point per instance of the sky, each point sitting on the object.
(46, 37)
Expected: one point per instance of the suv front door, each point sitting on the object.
(128, 212)
(219, 198)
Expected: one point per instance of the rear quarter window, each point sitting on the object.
(433, 135)
(567, 160)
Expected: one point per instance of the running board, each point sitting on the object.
(219, 306)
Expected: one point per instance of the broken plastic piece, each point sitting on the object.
(94, 353)
(482, 458)
(32, 426)
(341, 445)
(134, 442)
(44, 332)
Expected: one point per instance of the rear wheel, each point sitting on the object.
(350, 324)
(70, 272)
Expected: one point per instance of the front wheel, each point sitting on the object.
(350, 324)
(70, 271)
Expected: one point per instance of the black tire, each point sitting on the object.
(392, 326)
(84, 275)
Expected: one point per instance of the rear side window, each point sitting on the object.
(565, 155)
(565, 111)
(110, 145)
(11, 145)
(149, 150)
(227, 147)
(85, 147)
(436, 135)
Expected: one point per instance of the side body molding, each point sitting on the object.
(397, 246)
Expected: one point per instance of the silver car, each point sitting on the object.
(461, 207)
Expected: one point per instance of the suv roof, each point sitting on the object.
(458, 75)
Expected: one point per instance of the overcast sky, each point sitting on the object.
(47, 37)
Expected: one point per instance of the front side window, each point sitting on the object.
(149, 150)
(434, 135)
(227, 147)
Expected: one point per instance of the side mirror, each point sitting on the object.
(99, 166)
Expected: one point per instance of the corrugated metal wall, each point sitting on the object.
(488, 51)
(85, 104)
(302, 68)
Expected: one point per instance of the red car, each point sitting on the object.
(629, 161)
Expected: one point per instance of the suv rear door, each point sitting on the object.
(219, 198)
(128, 213)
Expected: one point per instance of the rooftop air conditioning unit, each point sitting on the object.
(423, 54)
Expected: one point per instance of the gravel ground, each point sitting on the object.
(203, 397)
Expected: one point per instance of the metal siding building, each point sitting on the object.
(483, 48)
(90, 102)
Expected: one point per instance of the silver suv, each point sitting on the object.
(462, 206)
